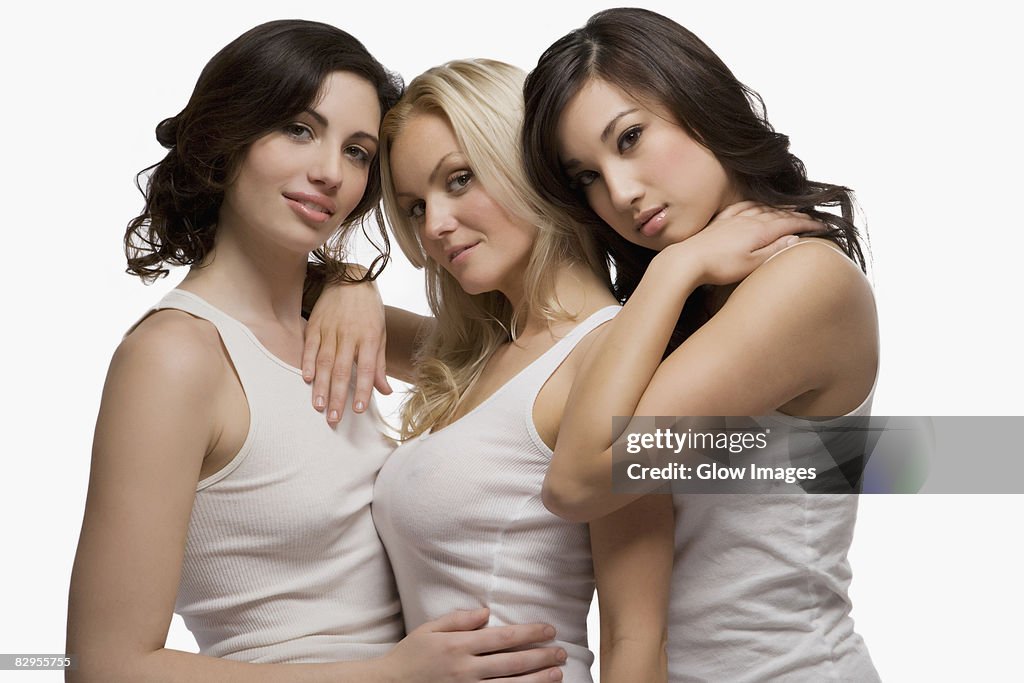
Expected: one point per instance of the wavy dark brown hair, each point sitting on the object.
(653, 58)
(255, 84)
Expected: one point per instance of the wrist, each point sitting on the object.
(676, 271)
(378, 670)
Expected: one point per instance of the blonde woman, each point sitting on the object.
(518, 300)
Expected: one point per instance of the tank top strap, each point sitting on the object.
(259, 371)
(542, 368)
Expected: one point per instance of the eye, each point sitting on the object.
(582, 180)
(629, 138)
(417, 210)
(357, 153)
(299, 131)
(459, 180)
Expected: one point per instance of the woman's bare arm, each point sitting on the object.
(633, 551)
(350, 325)
(768, 345)
(159, 418)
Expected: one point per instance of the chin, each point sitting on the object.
(474, 287)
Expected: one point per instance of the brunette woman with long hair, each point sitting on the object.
(215, 491)
(642, 135)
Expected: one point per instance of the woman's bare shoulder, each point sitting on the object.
(173, 346)
(815, 274)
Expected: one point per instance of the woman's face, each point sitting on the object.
(638, 169)
(296, 185)
(460, 227)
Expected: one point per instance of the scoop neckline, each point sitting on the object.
(245, 328)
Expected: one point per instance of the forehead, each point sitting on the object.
(423, 142)
(591, 109)
(349, 100)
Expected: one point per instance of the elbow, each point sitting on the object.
(105, 666)
(87, 668)
(103, 660)
(93, 664)
(568, 500)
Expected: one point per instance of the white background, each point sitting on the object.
(913, 108)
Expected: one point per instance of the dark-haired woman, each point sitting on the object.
(638, 130)
(215, 492)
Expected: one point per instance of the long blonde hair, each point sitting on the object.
(483, 103)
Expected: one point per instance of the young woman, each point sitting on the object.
(518, 300)
(215, 491)
(640, 132)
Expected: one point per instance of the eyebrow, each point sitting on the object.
(316, 115)
(572, 163)
(611, 124)
(433, 174)
(361, 135)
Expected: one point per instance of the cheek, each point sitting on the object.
(353, 189)
(600, 203)
(432, 251)
(694, 167)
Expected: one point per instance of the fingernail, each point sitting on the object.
(555, 675)
(549, 632)
(562, 656)
(307, 375)
(791, 240)
(332, 416)
(359, 406)
(319, 402)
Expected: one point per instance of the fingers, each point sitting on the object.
(775, 247)
(322, 369)
(737, 208)
(459, 620)
(380, 380)
(340, 374)
(768, 225)
(309, 350)
(366, 373)
(790, 223)
(537, 677)
(538, 660)
(499, 638)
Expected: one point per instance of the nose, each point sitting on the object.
(327, 169)
(438, 219)
(624, 191)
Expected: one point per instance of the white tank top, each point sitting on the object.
(760, 583)
(460, 513)
(282, 562)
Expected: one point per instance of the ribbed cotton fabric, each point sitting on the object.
(282, 562)
(461, 516)
(760, 582)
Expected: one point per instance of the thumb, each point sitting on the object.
(380, 377)
(459, 620)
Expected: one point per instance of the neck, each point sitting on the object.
(577, 290)
(250, 281)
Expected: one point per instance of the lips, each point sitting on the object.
(651, 221)
(455, 252)
(315, 207)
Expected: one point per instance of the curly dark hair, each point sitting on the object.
(652, 57)
(255, 84)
